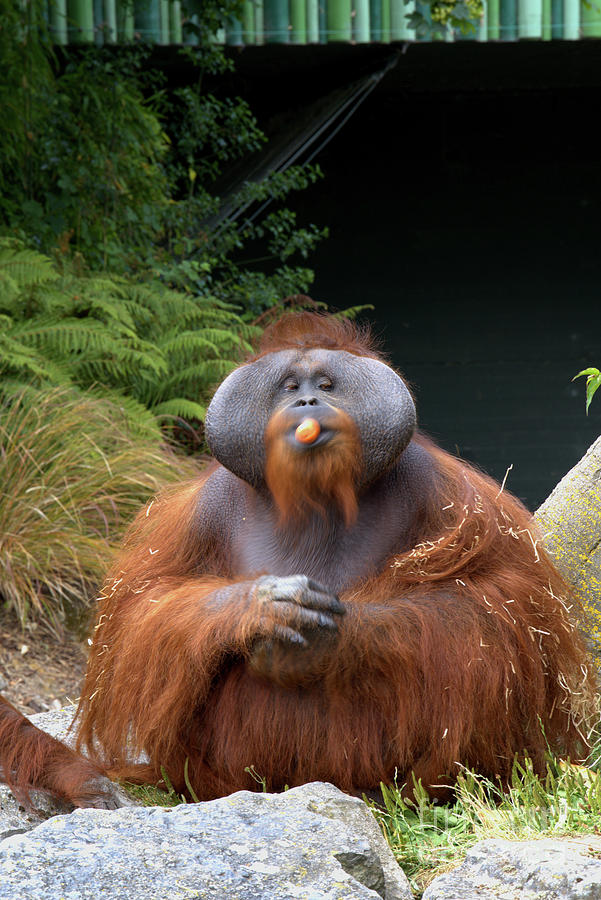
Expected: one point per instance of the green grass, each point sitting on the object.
(429, 839)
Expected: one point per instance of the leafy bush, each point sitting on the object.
(101, 158)
(101, 182)
(160, 348)
(73, 473)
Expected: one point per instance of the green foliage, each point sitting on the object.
(427, 838)
(236, 274)
(95, 176)
(432, 19)
(150, 795)
(27, 78)
(163, 349)
(164, 795)
(101, 159)
(73, 473)
(593, 381)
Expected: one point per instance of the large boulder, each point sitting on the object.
(312, 842)
(524, 870)
(570, 523)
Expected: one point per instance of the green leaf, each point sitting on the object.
(589, 371)
(592, 383)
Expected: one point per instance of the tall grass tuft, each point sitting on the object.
(428, 839)
(73, 472)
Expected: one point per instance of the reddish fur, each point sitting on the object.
(455, 652)
(30, 758)
(327, 479)
(304, 330)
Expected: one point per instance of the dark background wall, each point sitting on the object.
(464, 203)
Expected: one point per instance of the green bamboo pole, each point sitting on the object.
(259, 22)
(547, 20)
(98, 22)
(164, 20)
(397, 12)
(110, 22)
(298, 22)
(233, 32)
(175, 22)
(530, 18)
(492, 20)
(248, 22)
(147, 20)
(339, 20)
(556, 19)
(508, 20)
(58, 21)
(386, 21)
(571, 20)
(312, 21)
(81, 21)
(375, 19)
(590, 19)
(276, 21)
(361, 21)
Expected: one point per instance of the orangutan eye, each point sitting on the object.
(325, 384)
(290, 385)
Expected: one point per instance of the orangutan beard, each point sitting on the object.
(314, 479)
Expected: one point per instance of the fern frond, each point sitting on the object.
(110, 309)
(204, 372)
(65, 335)
(222, 337)
(352, 312)
(212, 302)
(26, 267)
(180, 408)
(182, 345)
(16, 357)
(9, 291)
(126, 360)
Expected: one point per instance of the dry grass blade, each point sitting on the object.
(72, 475)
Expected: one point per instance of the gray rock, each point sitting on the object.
(570, 521)
(14, 818)
(311, 843)
(524, 870)
(57, 723)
